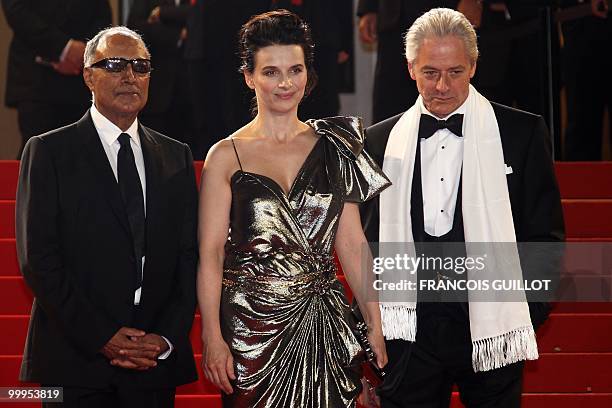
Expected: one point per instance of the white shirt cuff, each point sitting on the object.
(167, 353)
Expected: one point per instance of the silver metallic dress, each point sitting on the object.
(283, 312)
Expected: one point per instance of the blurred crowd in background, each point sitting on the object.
(550, 57)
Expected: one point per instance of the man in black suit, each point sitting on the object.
(331, 26)
(46, 58)
(384, 22)
(162, 24)
(446, 349)
(585, 39)
(106, 240)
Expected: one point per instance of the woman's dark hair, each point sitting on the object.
(278, 27)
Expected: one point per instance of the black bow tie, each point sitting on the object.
(429, 125)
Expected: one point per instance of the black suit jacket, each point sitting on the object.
(76, 254)
(162, 39)
(42, 28)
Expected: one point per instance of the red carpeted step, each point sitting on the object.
(198, 401)
(587, 218)
(583, 218)
(9, 371)
(574, 332)
(548, 400)
(552, 373)
(553, 400)
(569, 372)
(8, 258)
(592, 378)
(17, 327)
(9, 172)
(582, 307)
(571, 177)
(569, 333)
(15, 296)
(584, 179)
(7, 218)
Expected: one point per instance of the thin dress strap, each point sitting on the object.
(236, 151)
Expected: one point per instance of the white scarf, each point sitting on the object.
(501, 331)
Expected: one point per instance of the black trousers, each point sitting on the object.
(440, 358)
(115, 397)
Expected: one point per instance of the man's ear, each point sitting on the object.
(248, 79)
(411, 70)
(87, 77)
(473, 70)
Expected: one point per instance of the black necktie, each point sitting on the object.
(429, 125)
(133, 199)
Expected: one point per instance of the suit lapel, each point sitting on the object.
(103, 173)
(153, 161)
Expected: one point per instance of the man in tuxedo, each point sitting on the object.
(106, 240)
(454, 145)
(46, 58)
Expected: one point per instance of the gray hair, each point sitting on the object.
(441, 22)
(92, 45)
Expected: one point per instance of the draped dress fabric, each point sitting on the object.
(284, 314)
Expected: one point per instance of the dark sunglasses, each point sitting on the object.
(117, 64)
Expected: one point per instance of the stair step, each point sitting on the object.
(15, 296)
(584, 179)
(582, 307)
(552, 373)
(587, 218)
(568, 333)
(8, 257)
(556, 400)
(576, 332)
(583, 218)
(570, 175)
(9, 172)
(548, 400)
(7, 218)
(16, 299)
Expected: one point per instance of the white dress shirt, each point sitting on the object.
(109, 135)
(441, 162)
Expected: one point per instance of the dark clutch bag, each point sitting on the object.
(371, 372)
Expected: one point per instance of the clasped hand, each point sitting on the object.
(134, 349)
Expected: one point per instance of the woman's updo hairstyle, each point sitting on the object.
(278, 27)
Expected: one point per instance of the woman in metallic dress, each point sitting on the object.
(277, 198)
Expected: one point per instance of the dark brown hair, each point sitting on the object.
(278, 27)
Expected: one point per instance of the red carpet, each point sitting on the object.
(575, 367)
